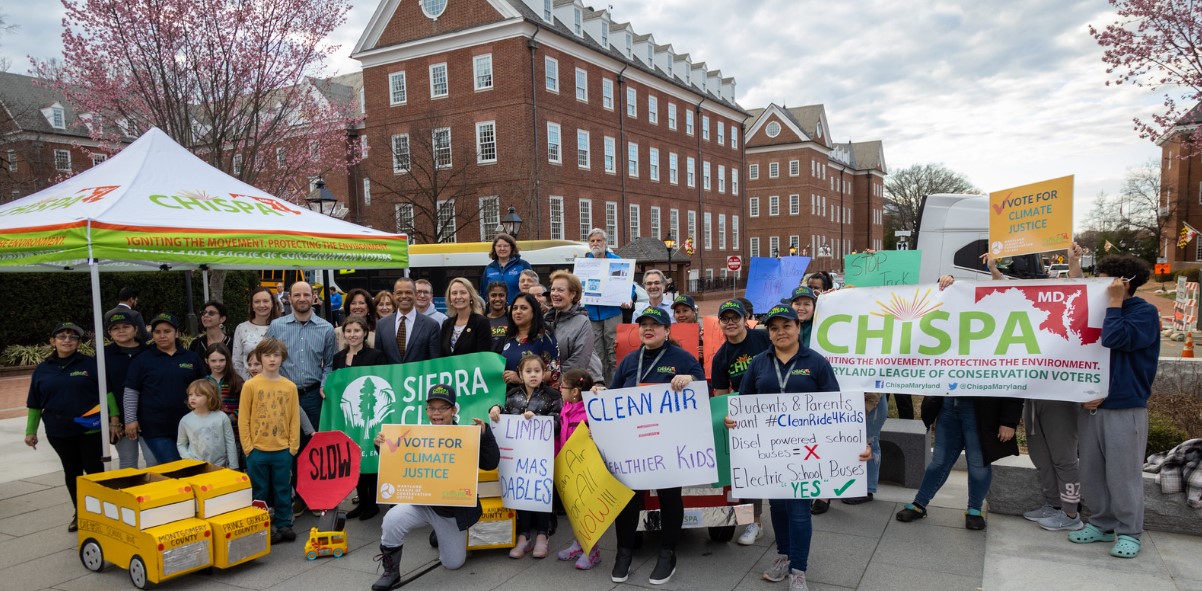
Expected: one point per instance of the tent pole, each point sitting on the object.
(101, 377)
(204, 275)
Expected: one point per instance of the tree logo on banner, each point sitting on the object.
(366, 404)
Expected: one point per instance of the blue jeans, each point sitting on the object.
(791, 523)
(270, 481)
(955, 430)
(162, 448)
(873, 425)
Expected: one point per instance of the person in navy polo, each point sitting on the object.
(156, 389)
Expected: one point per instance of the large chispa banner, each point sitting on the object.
(359, 400)
(429, 465)
(654, 437)
(1025, 339)
(798, 446)
(527, 461)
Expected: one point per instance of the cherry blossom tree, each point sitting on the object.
(1157, 44)
(237, 82)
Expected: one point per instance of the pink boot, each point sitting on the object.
(571, 552)
(587, 561)
(522, 547)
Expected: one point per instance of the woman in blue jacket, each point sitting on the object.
(507, 265)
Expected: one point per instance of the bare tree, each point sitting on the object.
(1145, 203)
(5, 28)
(906, 189)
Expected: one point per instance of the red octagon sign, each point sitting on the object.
(327, 469)
(734, 263)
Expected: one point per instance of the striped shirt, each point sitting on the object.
(311, 349)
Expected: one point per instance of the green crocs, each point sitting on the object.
(1126, 547)
(1090, 534)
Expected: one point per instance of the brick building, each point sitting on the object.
(805, 191)
(42, 138)
(553, 109)
(1181, 186)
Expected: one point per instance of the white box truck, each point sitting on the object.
(954, 233)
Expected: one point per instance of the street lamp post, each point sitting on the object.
(321, 200)
(793, 249)
(669, 244)
(511, 224)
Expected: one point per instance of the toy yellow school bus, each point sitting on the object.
(142, 522)
(241, 532)
(325, 543)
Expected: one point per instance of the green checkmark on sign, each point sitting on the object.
(839, 491)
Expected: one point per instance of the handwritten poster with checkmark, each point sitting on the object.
(798, 446)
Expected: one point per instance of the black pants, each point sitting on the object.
(534, 521)
(671, 518)
(79, 454)
(905, 405)
(366, 489)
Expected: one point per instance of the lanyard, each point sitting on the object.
(782, 379)
(654, 362)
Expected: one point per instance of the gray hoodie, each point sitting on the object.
(574, 333)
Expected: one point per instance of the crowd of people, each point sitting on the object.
(248, 399)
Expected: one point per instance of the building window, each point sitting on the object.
(98, 158)
(705, 127)
(551, 71)
(482, 65)
(237, 164)
(674, 223)
(753, 207)
(813, 203)
(11, 156)
(773, 129)
(672, 116)
(583, 153)
(734, 232)
(653, 110)
(721, 178)
(611, 222)
(774, 245)
(281, 160)
(773, 205)
(629, 44)
(708, 228)
(62, 160)
(586, 218)
(692, 224)
(795, 242)
(673, 173)
(403, 213)
(734, 181)
(773, 170)
(634, 222)
(547, 10)
(486, 142)
(690, 171)
(438, 81)
(58, 118)
(632, 102)
(607, 91)
(446, 229)
(396, 88)
(632, 161)
(605, 34)
(556, 217)
(363, 146)
(611, 164)
(721, 231)
(581, 85)
(794, 167)
(753, 244)
(753, 172)
(655, 223)
(442, 148)
(366, 191)
(490, 217)
(721, 133)
(653, 163)
(688, 121)
(794, 204)
(734, 138)
(554, 153)
(705, 175)
(578, 22)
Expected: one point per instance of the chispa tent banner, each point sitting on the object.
(155, 203)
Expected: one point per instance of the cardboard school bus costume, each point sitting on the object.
(497, 527)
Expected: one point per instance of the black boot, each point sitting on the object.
(622, 565)
(390, 559)
(665, 567)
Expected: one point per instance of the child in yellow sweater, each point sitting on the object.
(269, 427)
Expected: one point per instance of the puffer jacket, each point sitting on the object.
(574, 333)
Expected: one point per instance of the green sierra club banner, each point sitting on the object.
(361, 399)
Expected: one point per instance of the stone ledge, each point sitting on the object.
(1178, 375)
(1015, 489)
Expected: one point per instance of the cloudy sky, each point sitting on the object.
(1005, 92)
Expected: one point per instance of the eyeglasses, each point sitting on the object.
(210, 313)
(66, 336)
(439, 409)
(729, 319)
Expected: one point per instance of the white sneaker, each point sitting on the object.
(1040, 513)
(797, 580)
(750, 535)
(779, 569)
(1060, 521)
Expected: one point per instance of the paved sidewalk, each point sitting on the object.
(860, 547)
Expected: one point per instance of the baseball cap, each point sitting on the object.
(71, 326)
(443, 392)
(118, 316)
(685, 300)
(733, 306)
(800, 292)
(781, 311)
(655, 314)
(165, 317)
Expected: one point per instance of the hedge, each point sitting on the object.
(36, 302)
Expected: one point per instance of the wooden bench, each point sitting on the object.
(905, 452)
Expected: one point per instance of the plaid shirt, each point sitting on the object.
(1180, 469)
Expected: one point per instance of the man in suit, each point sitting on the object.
(129, 301)
(420, 336)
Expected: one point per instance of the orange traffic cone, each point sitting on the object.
(1188, 351)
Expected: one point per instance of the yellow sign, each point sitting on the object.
(1031, 218)
(591, 496)
(429, 465)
